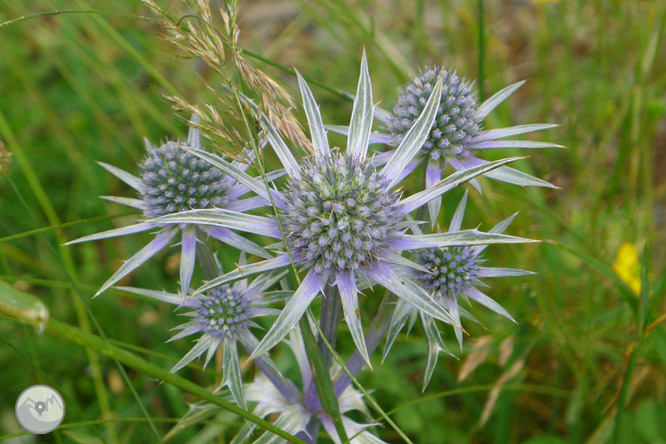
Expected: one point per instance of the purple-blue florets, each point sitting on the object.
(174, 180)
(340, 213)
(452, 270)
(456, 123)
(223, 312)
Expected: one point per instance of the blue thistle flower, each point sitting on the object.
(457, 123)
(344, 224)
(175, 178)
(449, 274)
(223, 317)
(457, 135)
(340, 214)
(450, 270)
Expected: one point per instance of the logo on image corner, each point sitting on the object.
(40, 409)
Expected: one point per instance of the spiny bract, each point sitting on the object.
(340, 213)
(223, 313)
(452, 270)
(175, 180)
(456, 123)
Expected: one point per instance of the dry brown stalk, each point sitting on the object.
(225, 120)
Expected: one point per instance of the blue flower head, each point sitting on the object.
(340, 214)
(457, 135)
(175, 177)
(457, 123)
(175, 180)
(223, 319)
(450, 274)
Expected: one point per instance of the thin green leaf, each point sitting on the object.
(103, 347)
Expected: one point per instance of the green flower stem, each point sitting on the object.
(97, 344)
(322, 379)
(329, 319)
(370, 399)
(378, 328)
(482, 49)
(206, 259)
(47, 13)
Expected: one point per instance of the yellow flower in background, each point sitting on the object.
(627, 266)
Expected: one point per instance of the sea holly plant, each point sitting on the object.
(336, 225)
(343, 224)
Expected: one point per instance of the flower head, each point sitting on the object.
(175, 180)
(345, 224)
(223, 318)
(339, 213)
(175, 177)
(457, 122)
(628, 267)
(223, 313)
(451, 270)
(450, 274)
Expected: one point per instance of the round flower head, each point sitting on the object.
(175, 180)
(223, 313)
(457, 122)
(339, 214)
(296, 414)
(223, 317)
(448, 274)
(457, 135)
(450, 270)
(343, 221)
(175, 177)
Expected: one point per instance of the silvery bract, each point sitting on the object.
(346, 225)
(174, 180)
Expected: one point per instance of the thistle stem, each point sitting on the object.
(206, 259)
(378, 328)
(329, 320)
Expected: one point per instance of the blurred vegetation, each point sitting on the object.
(586, 362)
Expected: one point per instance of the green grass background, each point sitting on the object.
(585, 363)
